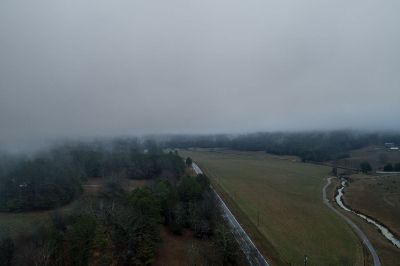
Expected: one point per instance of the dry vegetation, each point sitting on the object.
(379, 198)
(186, 249)
(377, 156)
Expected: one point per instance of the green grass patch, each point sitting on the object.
(282, 199)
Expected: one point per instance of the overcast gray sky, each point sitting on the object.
(118, 67)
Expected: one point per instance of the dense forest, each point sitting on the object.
(52, 178)
(116, 225)
(122, 228)
(309, 146)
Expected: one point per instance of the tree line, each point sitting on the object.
(115, 226)
(54, 177)
(317, 146)
(120, 227)
(366, 167)
(392, 167)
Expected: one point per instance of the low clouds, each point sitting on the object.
(99, 68)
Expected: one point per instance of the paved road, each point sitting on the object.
(357, 229)
(253, 255)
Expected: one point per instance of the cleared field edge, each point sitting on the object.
(262, 243)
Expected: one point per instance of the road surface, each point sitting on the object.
(357, 229)
(253, 255)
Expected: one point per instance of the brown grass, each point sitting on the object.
(185, 249)
(377, 156)
(379, 198)
(181, 250)
(132, 184)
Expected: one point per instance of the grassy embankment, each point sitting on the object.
(278, 200)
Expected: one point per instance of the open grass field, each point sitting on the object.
(282, 200)
(377, 156)
(378, 197)
(15, 224)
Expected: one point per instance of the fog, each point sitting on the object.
(83, 68)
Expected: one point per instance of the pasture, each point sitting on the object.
(379, 198)
(26, 223)
(278, 200)
(377, 156)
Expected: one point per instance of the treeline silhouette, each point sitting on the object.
(317, 146)
(54, 177)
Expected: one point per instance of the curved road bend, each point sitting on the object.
(357, 229)
(253, 255)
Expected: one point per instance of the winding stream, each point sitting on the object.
(384, 231)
